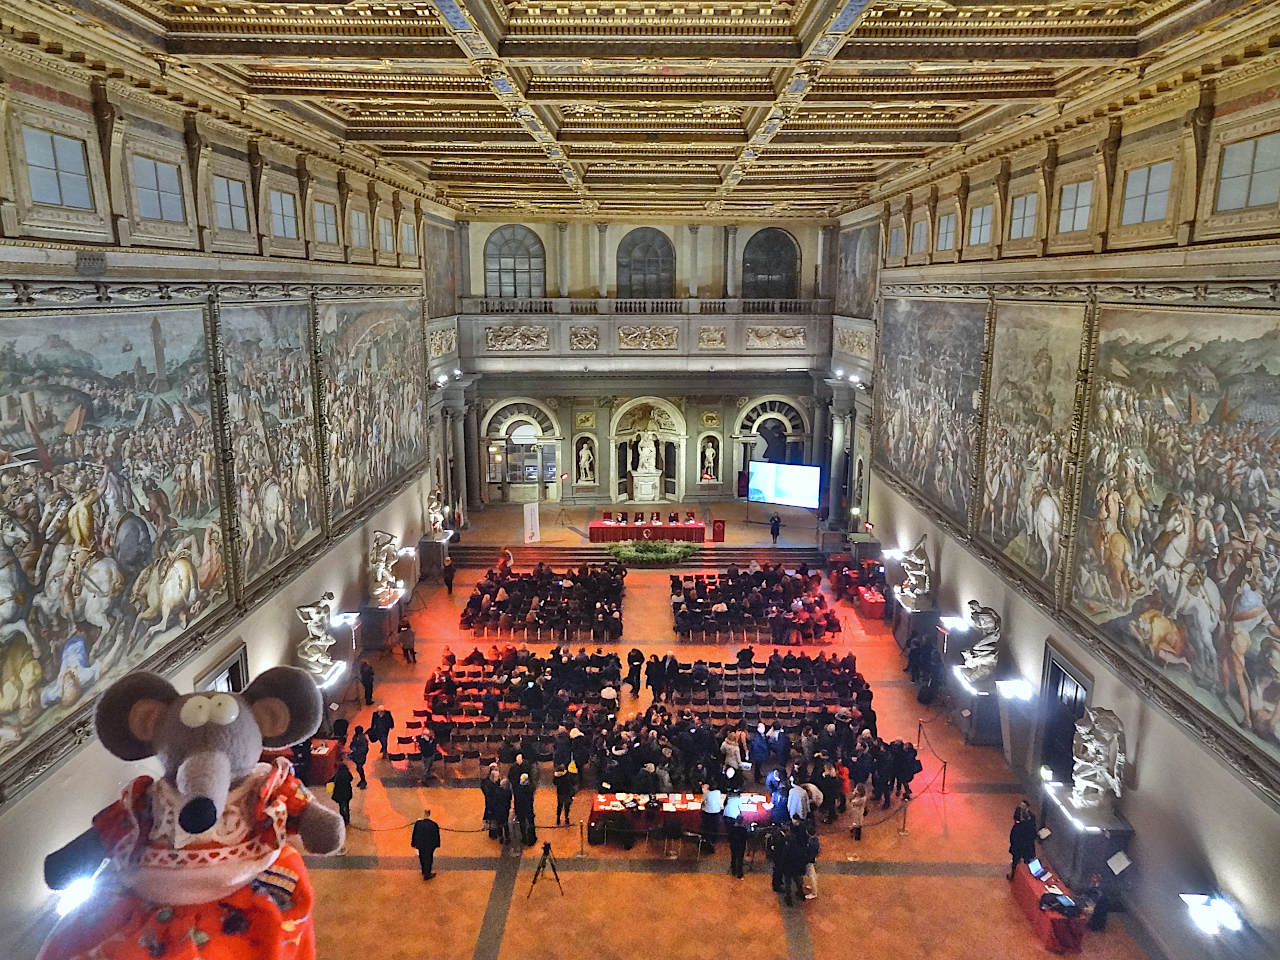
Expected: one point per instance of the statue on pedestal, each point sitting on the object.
(382, 557)
(981, 658)
(313, 650)
(435, 512)
(586, 463)
(1098, 758)
(646, 452)
(918, 585)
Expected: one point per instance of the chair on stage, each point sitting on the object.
(689, 517)
(673, 517)
(608, 516)
(622, 516)
(655, 517)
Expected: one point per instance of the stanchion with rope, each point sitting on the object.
(582, 839)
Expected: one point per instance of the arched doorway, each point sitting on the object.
(646, 266)
(647, 436)
(773, 429)
(522, 454)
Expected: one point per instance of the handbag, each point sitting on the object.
(573, 766)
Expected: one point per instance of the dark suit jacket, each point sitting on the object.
(426, 835)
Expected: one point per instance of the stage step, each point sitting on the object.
(717, 556)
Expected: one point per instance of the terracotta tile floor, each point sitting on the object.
(934, 889)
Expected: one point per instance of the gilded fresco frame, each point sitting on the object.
(37, 298)
(1248, 762)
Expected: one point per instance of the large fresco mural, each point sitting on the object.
(375, 396)
(1178, 557)
(927, 396)
(441, 260)
(271, 422)
(858, 261)
(1034, 362)
(110, 520)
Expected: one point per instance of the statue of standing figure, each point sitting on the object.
(313, 650)
(981, 658)
(647, 452)
(435, 512)
(382, 557)
(709, 471)
(586, 464)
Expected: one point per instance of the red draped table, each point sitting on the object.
(618, 811)
(1059, 934)
(600, 531)
(871, 603)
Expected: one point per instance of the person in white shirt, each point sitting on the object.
(712, 808)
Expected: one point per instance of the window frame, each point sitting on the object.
(243, 206)
(1146, 170)
(408, 238)
(767, 272)
(285, 220)
(386, 235)
(137, 157)
(919, 232)
(358, 235)
(897, 242)
(989, 208)
(659, 273)
(86, 174)
(1075, 207)
(1026, 220)
(331, 236)
(949, 219)
(1249, 177)
(514, 272)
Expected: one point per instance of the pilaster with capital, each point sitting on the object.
(562, 257)
(464, 258)
(733, 265)
(693, 261)
(602, 274)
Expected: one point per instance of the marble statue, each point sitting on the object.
(586, 464)
(919, 582)
(382, 557)
(1098, 758)
(709, 471)
(647, 452)
(313, 650)
(435, 512)
(981, 658)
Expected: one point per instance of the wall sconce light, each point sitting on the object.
(892, 554)
(955, 624)
(457, 374)
(1017, 689)
(839, 371)
(1211, 914)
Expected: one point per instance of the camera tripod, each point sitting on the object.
(547, 858)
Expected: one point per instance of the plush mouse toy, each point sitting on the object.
(197, 864)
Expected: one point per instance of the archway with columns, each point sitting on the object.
(773, 428)
(638, 421)
(523, 452)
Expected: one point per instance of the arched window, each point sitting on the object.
(515, 264)
(646, 265)
(771, 266)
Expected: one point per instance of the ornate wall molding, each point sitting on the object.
(777, 338)
(638, 337)
(584, 338)
(517, 337)
(443, 342)
(713, 337)
(1260, 293)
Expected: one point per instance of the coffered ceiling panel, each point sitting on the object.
(753, 109)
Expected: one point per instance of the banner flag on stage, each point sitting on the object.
(532, 533)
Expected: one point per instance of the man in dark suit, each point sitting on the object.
(426, 840)
(380, 726)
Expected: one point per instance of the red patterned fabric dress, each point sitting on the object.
(235, 892)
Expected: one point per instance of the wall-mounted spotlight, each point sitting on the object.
(457, 374)
(1211, 914)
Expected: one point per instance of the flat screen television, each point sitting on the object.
(790, 484)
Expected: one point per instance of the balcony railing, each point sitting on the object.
(626, 307)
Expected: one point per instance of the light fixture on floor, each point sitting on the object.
(1211, 914)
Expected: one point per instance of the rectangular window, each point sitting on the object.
(980, 224)
(326, 222)
(359, 228)
(1250, 173)
(386, 235)
(1146, 193)
(1074, 204)
(895, 242)
(230, 210)
(947, 231)
(1022, 219)
(284, 215)
(408, 239)
(919, 237)
(57, 169)
(159, 191)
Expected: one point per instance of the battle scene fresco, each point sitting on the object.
(1034, 360)
(441, 257)
(375, 396)
(271, 422)
(1178, 557)
(110, 521)
(856, 270)
(927, 387)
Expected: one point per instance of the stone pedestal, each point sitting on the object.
(1081, 839)
(646, 486)
(909, 621)
(976, 711)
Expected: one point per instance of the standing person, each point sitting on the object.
(908, 766)
(712, 808)
(359, 754)
(380, 726)
(857, 810)
(522, 791)
(342, 791)
(426, 840)
(566, 790)
(446, 574)
(1022, 837)
(635, 662)
(409, 646)
(366, 681)
(655, 676)
(429, 750)
(735, 826)
(811, 849)
(497, 804)
(775, 527)
(795, 857)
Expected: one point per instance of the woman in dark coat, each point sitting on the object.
(522, 795)
(359, 753)
(497, 805)
(342, 792)
(1022, 837)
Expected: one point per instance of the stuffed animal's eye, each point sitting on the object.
(223, 709)
(195, 712)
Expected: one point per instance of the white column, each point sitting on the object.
(733, 266)
(562, 256)
(459, 461)
(693, 260)
(471, 437)
(464, 258)
(836, 468)
(820, 273)
(819, 430)
(602, 275)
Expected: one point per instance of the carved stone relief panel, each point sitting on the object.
(443, 342)
(777, 338)
(584, 420)
(713, 338)
(856, 343)
(644, 337)
(711, 419)
(584, 338)
(522, 337)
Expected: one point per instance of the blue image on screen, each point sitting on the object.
(789, 484)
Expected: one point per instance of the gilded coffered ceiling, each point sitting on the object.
(742, 108)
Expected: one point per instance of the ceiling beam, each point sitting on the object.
(764, 52)
(217, 47)
(1092, 50)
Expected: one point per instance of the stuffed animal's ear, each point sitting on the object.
(130, 711)
(287, 705)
